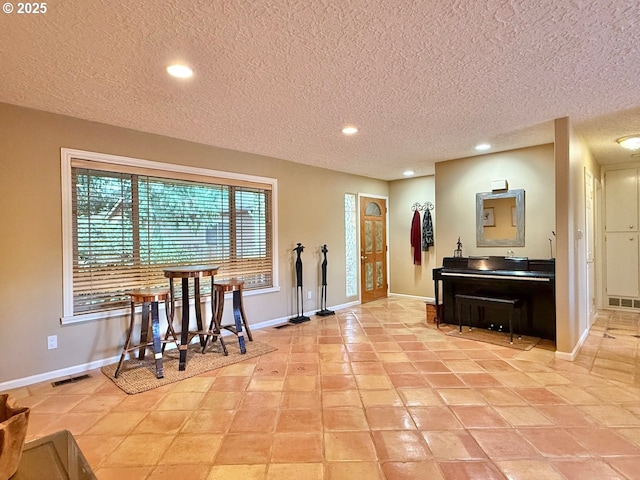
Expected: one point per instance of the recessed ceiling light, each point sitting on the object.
(179, 71)
(631, 142)
(482, 147)
(349, 130)
(408, 173)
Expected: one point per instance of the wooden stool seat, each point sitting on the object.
(236, 286)
(149, 299)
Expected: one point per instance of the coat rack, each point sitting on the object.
(421, 207)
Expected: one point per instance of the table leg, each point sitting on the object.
(155, 333)
(144, 331)
(184, 334)
(237, 302)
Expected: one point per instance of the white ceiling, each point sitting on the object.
(423, 80)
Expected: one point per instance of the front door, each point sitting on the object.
(373, 248)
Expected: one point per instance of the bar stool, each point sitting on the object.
(236, 286)
(149, 300)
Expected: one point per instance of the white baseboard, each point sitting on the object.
(570, 357)
(56, 374)
(71, 371)
(403, 295)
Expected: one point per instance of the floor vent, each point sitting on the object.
(70, 380)
(624, 302)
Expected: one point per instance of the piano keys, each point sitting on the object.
(531, 280)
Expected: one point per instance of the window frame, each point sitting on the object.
(67, 155)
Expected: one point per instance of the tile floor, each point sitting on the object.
(373, 392)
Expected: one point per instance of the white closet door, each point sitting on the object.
(622, 264)
(621, 203)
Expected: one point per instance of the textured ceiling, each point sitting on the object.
(423, 80)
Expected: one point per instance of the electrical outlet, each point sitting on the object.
(52, 342)
(309, 295)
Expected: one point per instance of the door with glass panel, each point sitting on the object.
(373, 248)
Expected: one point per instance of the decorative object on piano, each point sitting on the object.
(458, 251)
(300, 317)
(500, 218)
(14, 421)
(551, 244)
(323, 312)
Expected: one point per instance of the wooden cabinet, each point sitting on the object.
(622, 264)
(621, 237)
(621, 200)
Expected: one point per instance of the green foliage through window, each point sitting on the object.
(128, 227)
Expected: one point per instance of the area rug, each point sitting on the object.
(140, 375)
(495, 338)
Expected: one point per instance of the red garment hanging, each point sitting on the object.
(416, 238)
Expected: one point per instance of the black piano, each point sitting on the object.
(531, 280)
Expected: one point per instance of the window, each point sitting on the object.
(127, 219)
(351, 243)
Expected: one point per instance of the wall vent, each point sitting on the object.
(614, 302)
(626, 302)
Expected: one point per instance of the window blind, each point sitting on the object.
(128, 226)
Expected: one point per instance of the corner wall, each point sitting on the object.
(405, 277)
(572, 159)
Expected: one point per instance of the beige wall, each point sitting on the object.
(405, 277)
(311, 211)
(458, 181)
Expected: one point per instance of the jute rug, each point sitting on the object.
(495, 338)
(140, 375)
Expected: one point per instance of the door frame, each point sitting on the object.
(386, 219)
(591, 304)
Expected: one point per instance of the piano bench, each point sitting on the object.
(512, 305)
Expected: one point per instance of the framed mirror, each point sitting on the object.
(500, 219)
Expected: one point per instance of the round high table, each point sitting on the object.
(185, 273)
